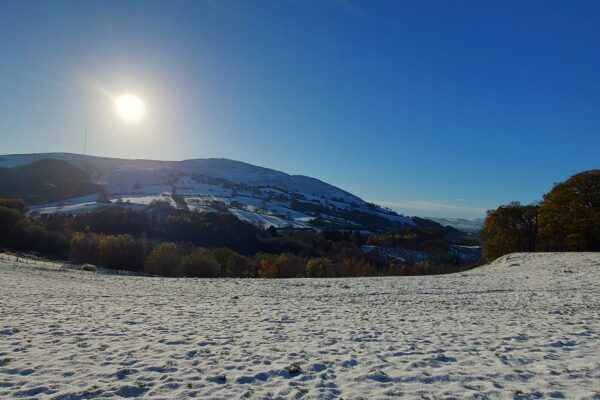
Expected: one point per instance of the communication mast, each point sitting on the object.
(85, 141)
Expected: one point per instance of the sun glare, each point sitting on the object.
(130, 107)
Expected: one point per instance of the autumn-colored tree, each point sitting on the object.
(15, 204)
(290, 265)
(509, 228)
(239, 266)
(120, 252)
(267, 266)
(200, 263)
(83, 247)
(569, 217)
(234, 265)
(352, 266)
(319, 268)
(163, 260)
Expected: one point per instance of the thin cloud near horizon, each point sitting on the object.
(434, 208)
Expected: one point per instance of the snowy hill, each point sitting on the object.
(256, 194)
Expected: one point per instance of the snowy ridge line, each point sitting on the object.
(266, 197)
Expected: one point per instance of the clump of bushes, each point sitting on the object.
(88, 268)
(111, 251)
(200, 263)
(185, 260)
(319, 268)
(163, 260)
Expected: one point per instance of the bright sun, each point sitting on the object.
(130, 107)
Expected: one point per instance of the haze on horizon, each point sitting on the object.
(431, 108)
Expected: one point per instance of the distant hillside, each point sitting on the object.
(470, 226)
(45, 181)
(255, 194)
(450, 232)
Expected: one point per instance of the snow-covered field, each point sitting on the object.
(526, 326)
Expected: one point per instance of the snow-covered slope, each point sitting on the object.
(260, 195)
(526, 326)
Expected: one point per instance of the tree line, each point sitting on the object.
(567, 219)
(172, 242)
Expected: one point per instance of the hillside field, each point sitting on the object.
(525, 326)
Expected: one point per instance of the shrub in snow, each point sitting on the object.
(88, 267)
(319, 268)
(201, 263)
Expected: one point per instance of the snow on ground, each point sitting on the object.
(526, 326)
(144, 199)
(72, 206)
(69, 209)
(267, 221)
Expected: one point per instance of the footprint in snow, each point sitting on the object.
(560, 343)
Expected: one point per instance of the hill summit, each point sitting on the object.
(259, 195)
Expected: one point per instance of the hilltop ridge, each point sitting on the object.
(256, 194)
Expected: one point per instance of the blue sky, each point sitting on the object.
(443, 108)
